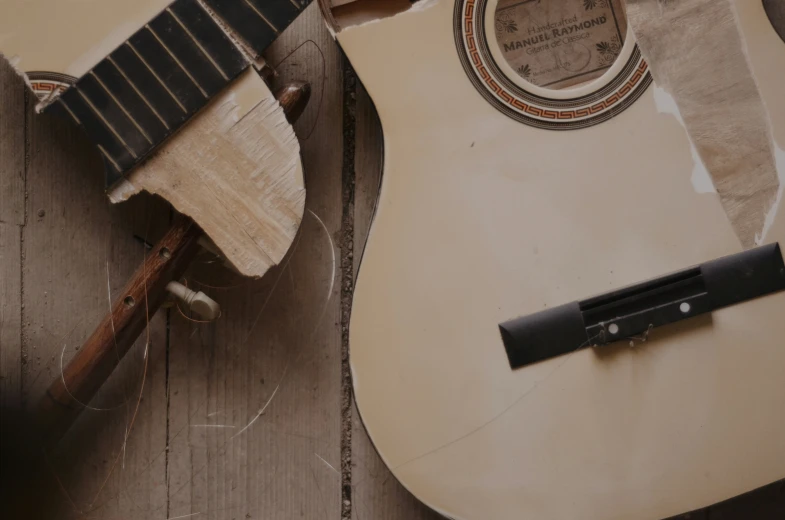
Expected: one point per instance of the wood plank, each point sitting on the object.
(254, 412)
(12, 133)
(10, 316)
(12, 154)
(12, 146)
(77, 248)
(376, 494)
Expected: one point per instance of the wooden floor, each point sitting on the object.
(248, 417)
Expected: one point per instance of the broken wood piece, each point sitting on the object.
(235, 169)
(94, 362)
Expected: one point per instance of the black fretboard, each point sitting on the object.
(131, 101)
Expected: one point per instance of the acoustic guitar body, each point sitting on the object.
(493, 208)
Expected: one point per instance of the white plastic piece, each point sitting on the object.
(197, 302)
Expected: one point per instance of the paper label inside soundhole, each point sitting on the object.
(562, 43)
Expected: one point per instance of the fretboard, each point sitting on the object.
(148, 87)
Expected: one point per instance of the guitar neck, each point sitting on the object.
(155, 81)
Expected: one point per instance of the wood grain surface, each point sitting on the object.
(77, 250)
(12, 192)
(98, 357)
(254, 413)
(12, 150)
(240, 418)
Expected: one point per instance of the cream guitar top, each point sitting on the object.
(519, 181)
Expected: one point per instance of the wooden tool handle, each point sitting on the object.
(100, 354)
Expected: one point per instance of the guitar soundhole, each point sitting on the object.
(551, 64)
(560, 44)
(775, 10)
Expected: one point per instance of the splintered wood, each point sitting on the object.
(235, 169)
(696, 53)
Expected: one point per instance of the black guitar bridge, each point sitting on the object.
(639, 308)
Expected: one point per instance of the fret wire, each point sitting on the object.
(177, 61)
(198, 44)
(106, 123)
(162, 82)
(130, 117)
(274, 28)
(196, 37)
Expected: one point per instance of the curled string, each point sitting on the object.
(221, 287)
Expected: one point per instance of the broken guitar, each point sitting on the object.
(176, 99)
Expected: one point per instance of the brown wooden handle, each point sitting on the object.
(100, 354)
(293, 98)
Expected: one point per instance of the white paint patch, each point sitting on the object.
(122, 191)
(14, 61)
(779, 162)
(329, 27)
(422, 5)
(417, 7)
(701, 180)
